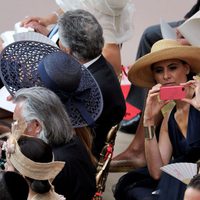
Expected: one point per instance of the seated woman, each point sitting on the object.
(169, 63)
(32, 158)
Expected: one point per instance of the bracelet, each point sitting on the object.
(149, 132)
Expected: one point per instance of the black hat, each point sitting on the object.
(29, 63)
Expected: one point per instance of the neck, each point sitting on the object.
(83, 61)
(180, 105)
(31, 194)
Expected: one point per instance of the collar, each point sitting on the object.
(87, 64)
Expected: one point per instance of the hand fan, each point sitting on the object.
(182, 171)
(33, 36)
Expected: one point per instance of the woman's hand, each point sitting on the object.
(153, 106)
(43, 21)
(181, 39)
(195, 84)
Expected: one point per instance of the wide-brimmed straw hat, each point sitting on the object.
(140, 72)
(26, 64)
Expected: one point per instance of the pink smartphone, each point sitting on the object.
(172, 92)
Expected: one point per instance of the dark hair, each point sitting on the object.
(195, 182)
(38, 151)
(80, 31)
(13, 186)
(191, 74)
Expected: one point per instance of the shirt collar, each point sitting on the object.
(87, 64)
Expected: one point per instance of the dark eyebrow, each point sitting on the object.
(153, 67)
(174, 63)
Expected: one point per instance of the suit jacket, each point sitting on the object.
(114, 104)
(76, 181)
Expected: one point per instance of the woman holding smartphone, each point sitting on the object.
(168, 64)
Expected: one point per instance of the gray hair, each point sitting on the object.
(43, 105)
(80, 31)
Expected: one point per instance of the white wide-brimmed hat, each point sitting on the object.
(115, 16)
(140, 72)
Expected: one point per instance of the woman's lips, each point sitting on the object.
(169, 84)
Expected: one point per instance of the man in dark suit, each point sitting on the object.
(81, 36)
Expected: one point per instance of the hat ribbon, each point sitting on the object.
(27, 167)
(76, 97)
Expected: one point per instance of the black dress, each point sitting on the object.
(138, 185)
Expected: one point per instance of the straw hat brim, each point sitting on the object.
(140, 72)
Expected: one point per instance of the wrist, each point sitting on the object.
(52, 18)
(149, 132)
(56, 14)
(148, 122)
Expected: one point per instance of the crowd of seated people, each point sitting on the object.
(76, 124)
(77, 42)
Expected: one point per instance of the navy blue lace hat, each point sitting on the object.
(29, 63)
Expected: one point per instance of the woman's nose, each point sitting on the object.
(166, 75)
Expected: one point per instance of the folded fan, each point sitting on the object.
(33, 36)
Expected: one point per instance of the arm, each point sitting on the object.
(44, 21)
(40, 24)
(112, 54)
(157, 154)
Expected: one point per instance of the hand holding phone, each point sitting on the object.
(172, 92)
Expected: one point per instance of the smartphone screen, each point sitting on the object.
(172, 92)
